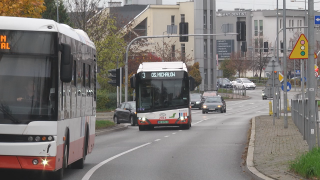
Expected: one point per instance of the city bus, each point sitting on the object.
(47, 95)
(162, 95)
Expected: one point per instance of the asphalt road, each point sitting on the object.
(211, 149)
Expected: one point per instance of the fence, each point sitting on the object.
(300, 117)
(232, 93)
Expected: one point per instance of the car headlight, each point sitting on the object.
(219, 106)
(204, 106)
(198, 102)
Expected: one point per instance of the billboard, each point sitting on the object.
(225, 48)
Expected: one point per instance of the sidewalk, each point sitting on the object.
(272, 147)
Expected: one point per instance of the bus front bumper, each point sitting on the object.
(28, 162)
(166, 122)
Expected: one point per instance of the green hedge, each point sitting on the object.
(108, 100)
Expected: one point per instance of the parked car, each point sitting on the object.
(244, 84)
(215, 103)
(126, 113)
(224, 83)
(196, 100)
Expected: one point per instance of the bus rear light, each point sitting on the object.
(35, 162)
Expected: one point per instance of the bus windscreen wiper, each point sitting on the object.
(4, 110)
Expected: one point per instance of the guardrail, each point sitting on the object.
(232, 93)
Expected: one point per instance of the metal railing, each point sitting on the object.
(300, 117)
(232, 93)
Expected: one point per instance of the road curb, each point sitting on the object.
(250, 164)
(111, 129)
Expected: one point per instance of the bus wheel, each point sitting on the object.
(58, 175)
(80, 163)
(141, 128)
(132, 121)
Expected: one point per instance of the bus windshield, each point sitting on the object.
(162, 94)
(27, 90)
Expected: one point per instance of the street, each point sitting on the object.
(211, 149)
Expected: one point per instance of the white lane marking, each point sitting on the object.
(157, 140)
(197, 122)
(92, 170)
(166, 136)
(173, 133)
(180, 130)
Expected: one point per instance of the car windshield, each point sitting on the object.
(246, 81)
(213, 99)
(133, 104)
(195, 96)
(225, 81)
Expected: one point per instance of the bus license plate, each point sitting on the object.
(163, 122)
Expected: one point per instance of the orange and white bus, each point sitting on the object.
(163, 95)
(47, 95)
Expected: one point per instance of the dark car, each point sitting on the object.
(224, 83)
(264, 96)
(126, 113)
(196, 100)
(216, 104)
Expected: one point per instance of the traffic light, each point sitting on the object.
(265, 47)
(183, 29)
(241, 30)
(114, 76)
(244, 46)
(281, 47)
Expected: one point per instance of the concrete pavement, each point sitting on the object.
(271, 148)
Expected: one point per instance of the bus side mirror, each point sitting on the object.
(133, 81)
(66, 63)
(192, 83)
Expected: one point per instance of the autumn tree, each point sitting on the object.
(239, 63)
(195, 73)
(22, 8)
(51, 11)
(227, 68)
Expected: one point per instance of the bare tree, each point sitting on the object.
(239, 63)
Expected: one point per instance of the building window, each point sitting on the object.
(300, 24)
(261, 42)
(183, 52)
(205, 48)
(211, 19)
(211, 48)
(256, 45)
(173, 51)
(205, 19)
(261, 27)
(172, 20)
(255, 27)
(280, 22)
(183, 18)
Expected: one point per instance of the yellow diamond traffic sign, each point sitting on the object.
(300, 50)
(280, 77)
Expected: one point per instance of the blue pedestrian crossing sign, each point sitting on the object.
(316, 19)
(298, 72)
(288, 86)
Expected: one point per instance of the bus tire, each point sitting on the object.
(132, 121)
(79, 164)
(58, 175)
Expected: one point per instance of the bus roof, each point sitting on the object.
(47, 25)
(162, 66)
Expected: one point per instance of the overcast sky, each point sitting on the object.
(253, 4)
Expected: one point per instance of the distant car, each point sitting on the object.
(244, 84)
(126, 113)
(224, 83)
(264, 96)
(216, 104)
(196, 100)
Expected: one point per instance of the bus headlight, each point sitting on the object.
(44, 162)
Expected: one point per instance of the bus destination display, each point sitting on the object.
(3, 42)
(162, 75)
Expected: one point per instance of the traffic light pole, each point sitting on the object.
(285, 65)
(163, 36)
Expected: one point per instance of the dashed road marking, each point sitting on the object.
(157, 140)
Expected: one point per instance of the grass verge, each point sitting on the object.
(307, 165)
(101, 124)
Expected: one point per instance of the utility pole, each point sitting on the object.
(311, 78)
(285, 65)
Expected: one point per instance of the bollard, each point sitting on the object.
(270, 108)
(288, 107)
